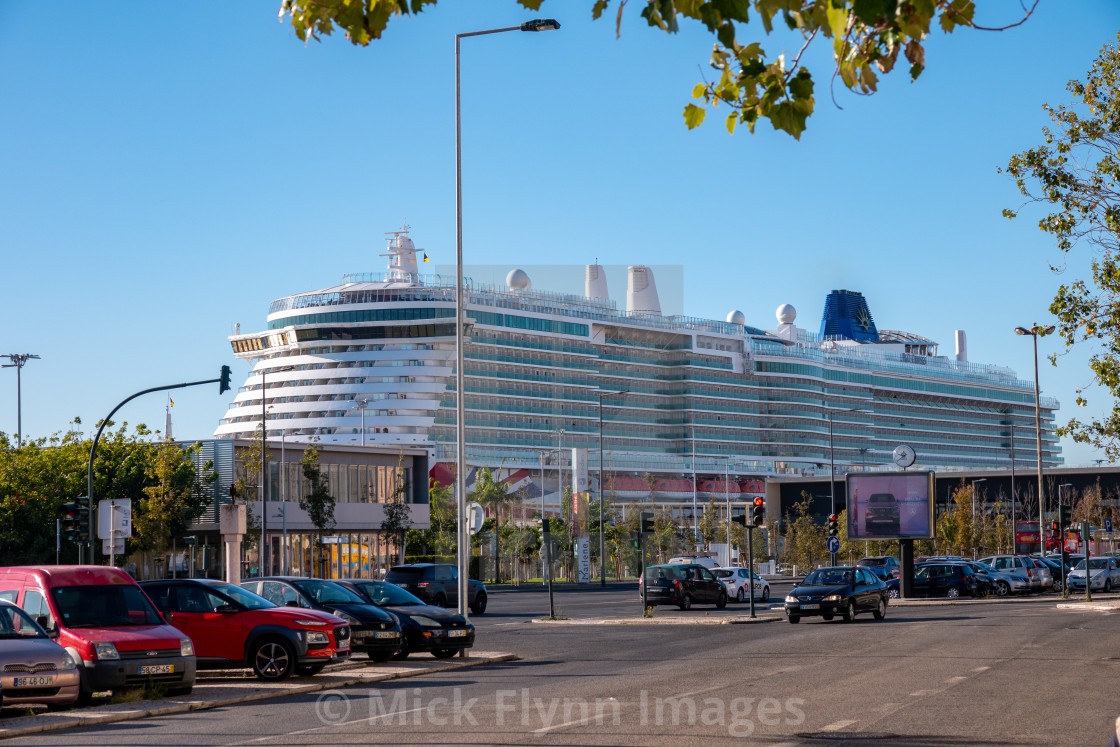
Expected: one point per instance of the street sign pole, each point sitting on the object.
(1088, 553)
(750, 563)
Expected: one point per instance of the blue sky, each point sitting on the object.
(171, 168)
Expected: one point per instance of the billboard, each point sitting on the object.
(890, 505)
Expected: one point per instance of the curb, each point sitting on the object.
(965, 601)
(69, 721)
(1090, 606)
(660, 621)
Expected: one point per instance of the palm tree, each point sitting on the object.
(492, 495)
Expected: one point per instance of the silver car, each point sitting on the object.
(1005, 583)
(1016, 565)
(33, 668)
(1105, 574)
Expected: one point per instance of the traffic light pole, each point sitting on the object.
(223, 380)
(750, 563)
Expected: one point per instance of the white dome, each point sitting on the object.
(518, 280)
(786, 314)
(736, 317)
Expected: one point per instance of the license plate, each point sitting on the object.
(385, 634)
(403, 586)
(156, 669)
(656, 588)
(34, 681)
(457, 633)
(343, 646)
(810, 606)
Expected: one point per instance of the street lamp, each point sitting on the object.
(537, 24)
(602, 531)
(1034, 332)
(17, 361)
(363, 403)
(832, 463)
(265, 568)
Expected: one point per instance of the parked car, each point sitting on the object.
(883, 566)
(33, 668)
(883, 515)
(1043, 571)
(1105, 574)
(438, 584)
(839, 590)
(739, 583)
(103, 618)
(1016, 565)
(1057, 571)
(946, 580)
(373, 631)
(425, 627)
(1002, 584)
(682, 585)
(233, 627)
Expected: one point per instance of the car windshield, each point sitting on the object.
(404, 575)
(872, 561)
(829, 577)
(984, 567)
(660, 573)
(243, 597)
(326, 592)
(1097, 564)
(107, 606)
(15, 623)
(383, 594)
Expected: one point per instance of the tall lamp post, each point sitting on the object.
(362, 403)
(1061, 540)
(832, 462)
(537, 24)
(602, 530)
(17, 361)
(1034, 332)
(265, 568)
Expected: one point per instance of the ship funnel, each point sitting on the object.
(641, 291)
(595, 285)
(962, 345)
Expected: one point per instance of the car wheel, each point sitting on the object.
(894, 594)
(309, 670)
(686, 602)
(402, 652)
(952, 592)
(849, 611)
(444, 653)
(273, 660)
(439, 600)
(766, 593)
(1058, 586)
(380, 656)
(794, 619)
(478, 607)
(881, 610)
(740, 596)
(826, 617)
(1003, 589)
(721, 602)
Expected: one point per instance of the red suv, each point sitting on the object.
(233, 627)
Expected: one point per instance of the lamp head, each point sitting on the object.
(1048, 330)
(540, 24)
(1023, 331)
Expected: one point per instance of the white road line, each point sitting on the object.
(838, 725)
(368, 719)
(955, 680)
(981, 669)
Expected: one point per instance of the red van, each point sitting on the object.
(102, 617)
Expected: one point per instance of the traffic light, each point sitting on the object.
(82, 519)
(1063, 518)
(740, 519)
(833, 525)
(544, 526)
(70, 521)
(647, 521)
(758, 513)
(223, 385)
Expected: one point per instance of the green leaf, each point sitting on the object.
(693, 116)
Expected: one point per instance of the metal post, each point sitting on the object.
(264, 568)
(831, 476)
(1038, 445)
(58, 540)
(17, 362)
(112, 533)
(1014, 516)
(1088, 554)
(727, 501)
(695, 527)
(750, 563)
(602, 530)
(285, 558)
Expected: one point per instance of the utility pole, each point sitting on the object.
(17, 362)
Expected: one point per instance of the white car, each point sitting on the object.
(709, 563)
(1106, 574)
(736, 581)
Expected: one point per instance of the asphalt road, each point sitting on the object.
(1013, 673)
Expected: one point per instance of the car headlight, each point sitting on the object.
(350, 619)
(317, 637)
(832, 598)
(186, 648)
(67, 662)
(427, 622)
(791, 599)
(105, 651)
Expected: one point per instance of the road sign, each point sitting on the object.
(475, 516)
(834, 544)
(118, 510)
(1108, 525)
(108, 549)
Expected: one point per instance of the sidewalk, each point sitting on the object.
(562, 587)
(217, 689)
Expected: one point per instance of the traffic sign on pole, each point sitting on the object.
(834, 544)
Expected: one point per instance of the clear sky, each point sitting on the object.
(171, 168)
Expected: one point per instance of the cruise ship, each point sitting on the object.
(707, 406)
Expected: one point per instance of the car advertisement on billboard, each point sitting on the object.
(890, 505)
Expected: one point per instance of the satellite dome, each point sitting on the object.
(736, 317)
(786, 314)
(518, 280)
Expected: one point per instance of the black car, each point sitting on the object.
(949, 579)
(839, 590)
(425, 628)
(682, 585)
(373, 631)
(438, 584)
(884, 566)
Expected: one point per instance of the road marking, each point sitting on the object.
(955, 680)
(368, 719)
(838, 725)
(923, 693)
(981, 669)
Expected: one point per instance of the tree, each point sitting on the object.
(709, 524)
(175, 498)
(867, 37)
(1075, 176)
(805, 543)
(398, 515)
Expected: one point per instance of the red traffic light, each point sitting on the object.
(758, 501)
(833, 517)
